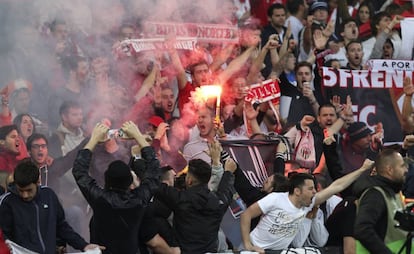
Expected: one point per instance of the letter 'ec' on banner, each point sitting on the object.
(376, 96)
(217, 33)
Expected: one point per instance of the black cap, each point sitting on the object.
(358, 130)
(118, 176)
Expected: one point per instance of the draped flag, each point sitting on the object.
(376, 95)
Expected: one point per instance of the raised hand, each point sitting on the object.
(99, 133)
(131, 130)
(319, 40)
(329, 29)
(281, 148)
(273, 42)
(219, 128)
(215, 152)
(367, 165)
(346, 112)
(408, 86)
(288, 31)
(230, 165)
(408, 141)
(250, 112)
(336, 101)
(376, 138)
(306, 121)
(307, 91)
(161, 130)
(396, 20)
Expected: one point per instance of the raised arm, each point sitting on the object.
(148, 83)
(407, 109)
(217, 169)
(150, 180)
(80, 170)
(5, 114)
(235, 65)
(377, 51)
(176, 62)
(222, 57)
(251, 117)
(225, 188)
(270, 46)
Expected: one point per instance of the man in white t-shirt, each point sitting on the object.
(283, 214)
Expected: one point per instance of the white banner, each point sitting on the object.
(17, 249)
(203, 32)
(139, 45)
(390, 65)
(407, 36)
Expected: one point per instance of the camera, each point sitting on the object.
(117, 133)
(405, 218)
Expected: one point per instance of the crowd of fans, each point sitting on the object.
(100, 140)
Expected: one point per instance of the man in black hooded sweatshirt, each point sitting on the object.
(197, 210)
(117, 210)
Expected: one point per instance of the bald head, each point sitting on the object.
(386, 158)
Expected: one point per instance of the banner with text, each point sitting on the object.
(217, 33)
(262, 92)
(376, 95)
(137, 45)
(390, 65)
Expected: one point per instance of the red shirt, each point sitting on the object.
(8, 161)
(4, 249)
(259, 9)
(184, 95)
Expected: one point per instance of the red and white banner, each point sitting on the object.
(218, 33)
(138, 45)
(262, 92)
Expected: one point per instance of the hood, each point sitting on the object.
(366, 182)
(12, 188)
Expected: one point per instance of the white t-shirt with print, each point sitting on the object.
(280, 223)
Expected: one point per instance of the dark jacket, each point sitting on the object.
(36, 224)
(246, 190)
(198, 213)
(299, 105)
(372, 217)
(116, 214)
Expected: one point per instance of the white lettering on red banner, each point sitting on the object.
(364, 78)
(203, 32)
(262, 92)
